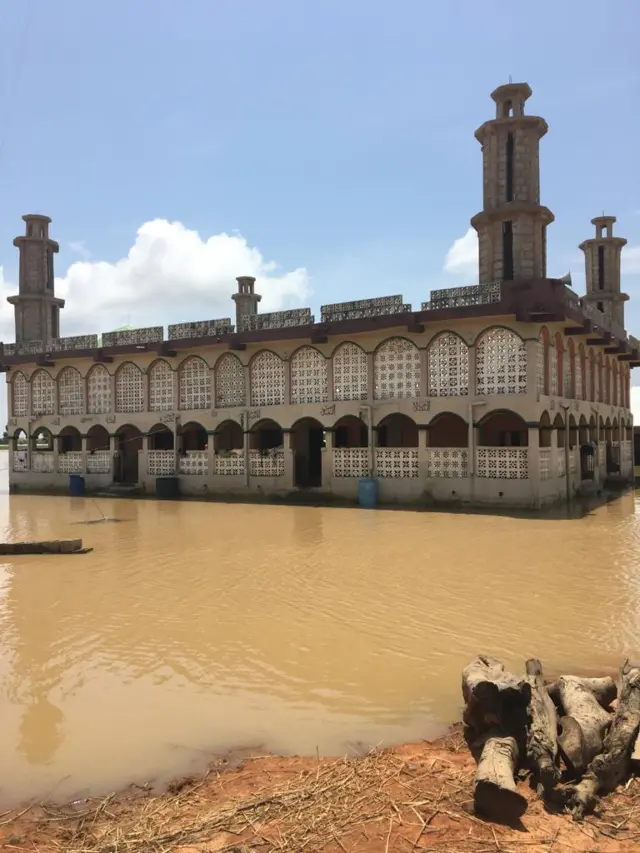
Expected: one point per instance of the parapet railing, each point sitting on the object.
(454, 297)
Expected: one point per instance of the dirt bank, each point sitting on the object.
(409, 798)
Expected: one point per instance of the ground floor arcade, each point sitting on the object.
(500, 458)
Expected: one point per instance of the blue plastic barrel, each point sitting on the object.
(76, 485)
(368, 493)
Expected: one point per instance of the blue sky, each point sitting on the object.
(332, 142)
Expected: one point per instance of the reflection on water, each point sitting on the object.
(194, 627)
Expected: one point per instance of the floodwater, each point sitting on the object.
(195, 627)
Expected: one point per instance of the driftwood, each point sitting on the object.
(604, 689)
(579, 703)
(612, 765)
(493, 696)
(54, 546)
(542, 743)
(571, 746)
(495, 795)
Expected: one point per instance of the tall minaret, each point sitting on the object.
(512, 225)
(602, 267)
(246, 299)
(37, 310)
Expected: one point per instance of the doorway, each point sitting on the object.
(308, 444)
(128, 445)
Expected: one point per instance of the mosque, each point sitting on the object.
(513, 391)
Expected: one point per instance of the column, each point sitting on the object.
(330, 391)
(288, 458)
(85, 442)
(370, 376)
(472, 371)
(212, 381)
(534, 463)
(287, 381)
(176, 390)
(531, 347)
(211, 454)
(424, 372)
(145, 390)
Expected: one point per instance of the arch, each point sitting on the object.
(350, 372)
(99, 390)
(161, 398)
(160, 437)
(502, 428)
(501, 363)
(573, 432)
(194, 383)
(309, 376)
(542, 361)
(228, 436)
(69, 440)
(396, 370)
(350, 431)
(43, 393)
(559, 427)
(128, 447)
(307, 443)
(545, 430)
(593, 429)
(129, 388)
(19, 445)
(583, 430)
(448, 430)
(98, 438)
(20, 437)
(42, 439)
(193, 436)
(448, 366)
(397, 430)
(266, 371)
(231, 383)
(615, 431)
(266, 435)
(19, 395)
(70, 392)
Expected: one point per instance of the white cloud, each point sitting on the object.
(79, 247)
(635, 404)
(462, 257)
(170, 275)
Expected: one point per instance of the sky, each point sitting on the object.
(325, 147)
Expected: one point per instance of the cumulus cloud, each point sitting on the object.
(171, 274)
(462, 257)
(635, 403)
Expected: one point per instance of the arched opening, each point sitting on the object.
(583, 430)
(193, 436)
(558, 425)
(448, 430)
(502, 429)
(160, 437)
(266, 435)
(544, 430)
(69, 440)
(228, 437)
(97, 438)
(397, 431)
(42, 440)
(573, 432)
(307, 443)
(350, 431)
(128, 446)
(615, 432)
(593, 430)
(19, 451)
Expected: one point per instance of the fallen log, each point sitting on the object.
(571, 746)
(495, 795)
(494, 697)
(612, 766)
(604, 689)
(54, 546)
(579, 703)
(542, 729)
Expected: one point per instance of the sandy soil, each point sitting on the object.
(409, 798)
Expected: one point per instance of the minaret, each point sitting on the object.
(246, 299)
(37, 310)
(602, 267)
(512, 225)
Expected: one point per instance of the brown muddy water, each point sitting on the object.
(196, 627)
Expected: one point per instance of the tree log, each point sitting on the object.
(495, 794)
(542, 743)
(494, 697)
(580, 703)
(571, 746)
(612, 766)
(604, 689)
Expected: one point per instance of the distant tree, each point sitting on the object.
(5, 435)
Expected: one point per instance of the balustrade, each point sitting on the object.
(448, 462)
(266, 464)
(503, 463)
(350, 462)
(230, 463)
(396, 462)
(194, 462)
(161, 463)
